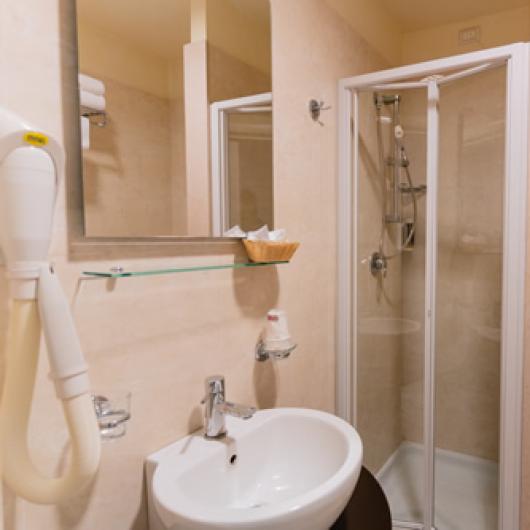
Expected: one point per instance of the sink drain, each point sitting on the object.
(233, 459)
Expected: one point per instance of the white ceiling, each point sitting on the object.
(418, 14)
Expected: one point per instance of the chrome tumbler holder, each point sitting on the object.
(112, 419)
(262, 354)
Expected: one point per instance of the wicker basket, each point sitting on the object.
(267, 251)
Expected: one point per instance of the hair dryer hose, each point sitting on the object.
(16, 466)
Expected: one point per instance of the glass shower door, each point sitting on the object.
(390, 287)
(431, 274)
(468, 304)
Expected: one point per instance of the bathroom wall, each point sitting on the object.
(374, 23)
(111, 56)
(239, 48)
(242, 30)
(229, 77)
(399, 45)
(159, 337)
(500, 28)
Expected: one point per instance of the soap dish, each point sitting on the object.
(267, 251)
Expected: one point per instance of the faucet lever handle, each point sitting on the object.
(215, 385)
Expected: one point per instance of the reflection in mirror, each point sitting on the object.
(249, 170)
(151, 74)
(242, 187)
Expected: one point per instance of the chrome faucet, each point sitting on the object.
(216, 408)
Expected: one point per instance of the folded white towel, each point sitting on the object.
(91, 84)
(261, 234)
(85, 133)
(235, 231)
(91, 101)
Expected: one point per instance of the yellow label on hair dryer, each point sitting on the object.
(36, 139)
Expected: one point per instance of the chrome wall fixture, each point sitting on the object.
(315, 108)
(262, 354)
(96, 118)
(112, 417)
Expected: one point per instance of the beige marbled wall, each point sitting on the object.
(230, 77)
(158, 337)
(197, 139)
(179, 205)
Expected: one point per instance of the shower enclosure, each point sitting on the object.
(432, 256)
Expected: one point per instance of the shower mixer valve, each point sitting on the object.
(378, 264)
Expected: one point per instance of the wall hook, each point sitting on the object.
(315, 108)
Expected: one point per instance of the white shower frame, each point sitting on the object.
(219, 154)
(516, 57)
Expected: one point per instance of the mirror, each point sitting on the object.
(176, 117)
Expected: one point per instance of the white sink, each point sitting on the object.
(284, 469)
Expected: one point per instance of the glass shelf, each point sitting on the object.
(172, 270)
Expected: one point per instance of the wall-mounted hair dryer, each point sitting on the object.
(31, 163)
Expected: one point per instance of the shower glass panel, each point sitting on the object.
(432, 249)
(390, 338)
(468, 304)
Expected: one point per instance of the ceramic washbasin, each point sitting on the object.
(284, 469)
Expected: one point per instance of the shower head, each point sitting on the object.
(385, 99)
(30, 165)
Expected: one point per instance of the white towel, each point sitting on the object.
(91, 101)
(91, 84)
(85, 132)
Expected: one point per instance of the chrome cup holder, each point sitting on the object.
(262, 354)
(112, 416)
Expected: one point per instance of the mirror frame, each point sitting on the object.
(83, 247)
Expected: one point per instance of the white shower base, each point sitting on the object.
(466, 488)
